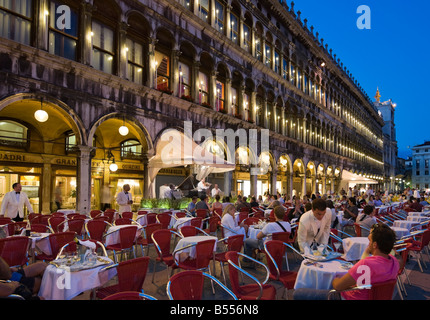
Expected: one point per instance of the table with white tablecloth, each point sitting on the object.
(400, 232)
(316, 277)
(418, 218)
(66, 211)
(181, 222)
(191, 251)
(405, 224)
(419, 214)
(353, 247)
(63, 284)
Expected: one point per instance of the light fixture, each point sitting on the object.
(113, 166)
(123, 130)
(41, 115)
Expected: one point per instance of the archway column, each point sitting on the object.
(83, 195)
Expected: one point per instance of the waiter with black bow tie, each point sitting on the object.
(124, 199)
(13, 203)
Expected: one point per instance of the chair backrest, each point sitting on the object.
(44, 219)
(151, 218)
(127, 235)
(95, 213)
(14, 250)
(196, 222)
(33, 215)
(57, 240)
(357, 229)
(235, 243)
(132, 274)
(233, 256)
(214, 222)
(258, 214)
(56, 223)
(162, 239)
(5, 220)
(243, 216)
(382, 290)
(202, 213)
(58, 214)
(71, 215)
(251, 221)
(217, 212)
(164, 218)
(38, 227)
(150, 229)
(188, 231)
(10, 227)
(186, 285)
(141, 212)
(180, 214)
(127, 214)
(275, 250)
(76, 225)
(109, 215)
(96, 228)
(204, 253)
(122, 221)
(281, 236)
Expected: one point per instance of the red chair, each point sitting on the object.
(377, 291)
(197, 222)
(251, 221)
(146, 240)
(275, 251)
(95, 213)
(164, 218)
(188, 231)
(141, 212)
(204, 254)
(281, 236)
(233, 243)
(109, 215)
(10, 227)
(44, 219)
(404, 253)
(420, 245)
(122, 221)
(189, 285)
(212, 229)
(127, 236)
(257, 291)
(131, 276)
(129, 295)
(56, 241)
(151, 218)
(127, 215)
(243, 216)
(5, 220)
(202, 213)
(76, 225)
(180, 214)
(217, 212)
(162, 243)
(14, 250)
(71, 215)
(56, 223)
(33, 215)
(58, 214)
(96, 229)
(40, 228)
(77, 216)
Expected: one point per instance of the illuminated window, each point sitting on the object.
(16, 20)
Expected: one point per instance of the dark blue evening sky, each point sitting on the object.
(393, 55)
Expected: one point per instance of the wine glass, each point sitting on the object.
(337, 245)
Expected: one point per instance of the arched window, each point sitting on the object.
(234, 24)
(71, 144)
(131, 149)
(247, 33)
(259, 43)
(268, 50)
(185, 70)
(13, 134)
(16, 20)
(63, 33)
(163, 51)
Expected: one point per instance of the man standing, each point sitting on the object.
(124, 199)
(13, 203)
(314, 226)
(216, 191)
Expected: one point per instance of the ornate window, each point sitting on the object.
(13, 134)
(16, 20)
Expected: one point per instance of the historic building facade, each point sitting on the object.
(95, 66)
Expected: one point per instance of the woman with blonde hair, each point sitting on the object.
(229, 223)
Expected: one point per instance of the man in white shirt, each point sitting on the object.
(216, 191)
(124, 199)
(314, 226)
(13, 203)
(202, 186)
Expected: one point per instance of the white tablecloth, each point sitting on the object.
(113, 238)
(59, 284)
(404, 224)
(400, 232)
(314, 277)
(420, 214)
(185, 221)
(191, 252)
(354, 247)
(252, 232)
(67, 211)
(417, 218)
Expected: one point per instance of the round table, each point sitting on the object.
(405, 224)
(315, 277)
(400, 232)
(63, 284)
(185, 221)
(354, 247)
(417, 218)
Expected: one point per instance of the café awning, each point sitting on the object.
(353, 178)
(175, 149)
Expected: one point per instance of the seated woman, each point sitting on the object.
(366, 219)
(230, 223)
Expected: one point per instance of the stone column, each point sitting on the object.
(228, 178)
(45, 202)
(195, 84)
(274, 178)
(174, 78)
(85, 33)
(253, 181)
(42, 25)
(151, 63)
(83, 194)
(146, 179)
(122, 51)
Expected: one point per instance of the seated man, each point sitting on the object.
(24, 281)
(376, 265)
(250, 245)
(192, 206)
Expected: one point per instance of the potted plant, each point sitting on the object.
(187, 97)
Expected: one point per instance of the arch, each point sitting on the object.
(285, 163)
(56, 109)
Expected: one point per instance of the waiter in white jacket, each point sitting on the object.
(13, 203)
(314, 226)
(124, 199)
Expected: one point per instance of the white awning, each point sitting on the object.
(174, 149)
(353, 178)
